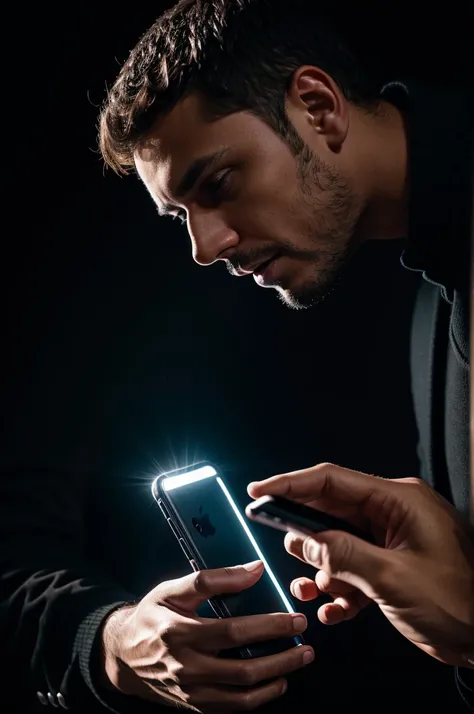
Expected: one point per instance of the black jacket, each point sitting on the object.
(440, 249)
(54, 595)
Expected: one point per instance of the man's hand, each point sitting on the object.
(420, 573)
(162, 651)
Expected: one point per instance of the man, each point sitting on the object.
(282, 159)
(304, 162)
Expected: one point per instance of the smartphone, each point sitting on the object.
(213, 533)
(291, 516)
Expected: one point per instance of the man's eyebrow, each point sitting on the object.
(191, 176)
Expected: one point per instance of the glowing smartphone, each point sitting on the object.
(213, 533)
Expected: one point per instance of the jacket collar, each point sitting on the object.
(440, 145)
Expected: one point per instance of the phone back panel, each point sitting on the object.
(217, 535)
(219, 539)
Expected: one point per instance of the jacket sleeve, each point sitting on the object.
(465, 685)
(52, 600)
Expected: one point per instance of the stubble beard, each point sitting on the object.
(331, 230)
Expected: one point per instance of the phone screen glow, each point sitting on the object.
(202, 472)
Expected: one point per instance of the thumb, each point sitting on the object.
(189, 592)
(350, 559)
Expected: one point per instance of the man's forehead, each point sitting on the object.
(180, 148)
(166, 148)
(173, 134)
(181, 143)
(186, 142)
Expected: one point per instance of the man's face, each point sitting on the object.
(288, 221)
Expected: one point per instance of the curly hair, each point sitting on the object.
(238, 55)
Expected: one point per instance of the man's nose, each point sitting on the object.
(211, 240)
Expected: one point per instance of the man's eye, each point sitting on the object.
(213, 191)
(217, 187)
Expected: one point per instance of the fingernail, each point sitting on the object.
(297, 588)
(299, 623)
(308, 657)
(253, 566)
(251, 484)
(312, 550)
(284, 687)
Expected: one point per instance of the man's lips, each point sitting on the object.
(260, 269)
(267, 273)
(255, 269)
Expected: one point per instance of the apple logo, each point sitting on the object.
(203, 524)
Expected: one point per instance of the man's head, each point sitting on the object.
(251, 119)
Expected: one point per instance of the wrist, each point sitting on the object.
(111, 665)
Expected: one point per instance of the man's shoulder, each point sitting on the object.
(460, 325)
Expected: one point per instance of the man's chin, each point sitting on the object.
(307, 297)
(294, 302)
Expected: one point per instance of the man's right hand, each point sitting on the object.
(162, 651)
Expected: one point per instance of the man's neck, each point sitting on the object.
(386, 160)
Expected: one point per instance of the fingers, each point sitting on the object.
(190, 591)
(348, 601)
(343, 608)
(332, 586)
(322, 481)
(324, 582)
(230, 632)
(351, 560)
(220, 699)
(294, 545)
(250, 672)
(304, 589)
(338, 611)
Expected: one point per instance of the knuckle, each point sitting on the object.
(337, 558)
(416, 482)
(205, 582)
(292, 543)
(230, 572)
(323, 581)
(284, 623)
(419, 489)
(202, 582)
(344, 556)
(324, 466)
(200, 579)
(234, 630)
(170, 631)
(326, 469)
(248, 701)
(166, 632)
(246, 674)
